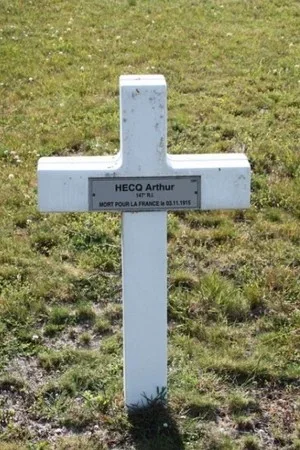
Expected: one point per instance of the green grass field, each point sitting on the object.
(233, 73)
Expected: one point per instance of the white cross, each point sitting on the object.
(221, 181)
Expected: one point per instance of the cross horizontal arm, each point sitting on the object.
(64, 181)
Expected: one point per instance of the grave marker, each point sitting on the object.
(144, 182)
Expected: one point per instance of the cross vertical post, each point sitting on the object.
(144, 242)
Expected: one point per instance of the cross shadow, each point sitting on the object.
(153, 427)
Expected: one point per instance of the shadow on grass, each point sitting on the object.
(153, 427)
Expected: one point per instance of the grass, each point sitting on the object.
(233, 73)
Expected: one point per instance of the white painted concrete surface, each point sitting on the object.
(63, 186)
(144, 241)
(225, 182)
(225, 178)
(144, 254)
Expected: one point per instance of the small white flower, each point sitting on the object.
(118, 38)
(30, 79)
(165, 425)
(11, 176)
(82, 68)
(133, 42)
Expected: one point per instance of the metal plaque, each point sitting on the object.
(144, 193)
